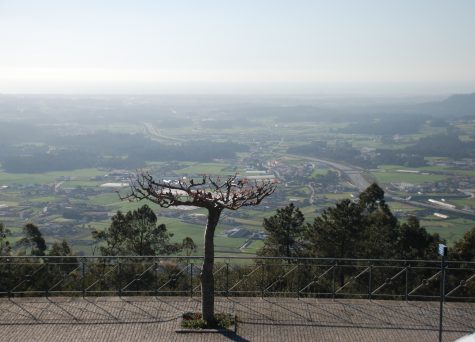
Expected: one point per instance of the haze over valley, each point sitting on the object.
(63, 158)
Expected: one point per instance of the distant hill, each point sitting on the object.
(459, 105)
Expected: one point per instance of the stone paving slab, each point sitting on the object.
(259, 319)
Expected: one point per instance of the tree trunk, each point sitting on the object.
(207, 277)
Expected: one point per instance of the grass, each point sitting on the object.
(10, 204)
(105, 199)
(398, 206)
(249, 223)
(394, 167)
(462, 202)
(44, 199)
(82, 183)
(309, 212)
(182, 229)
(338, 196)
(428, 168)
(194, 320)
(47, 177)
(254, 246)
(401, 177)
(451, 229)
(228, 242)
(470, 173)
(318, 172)
(205, 168)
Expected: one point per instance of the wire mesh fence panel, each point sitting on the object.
(236, 276)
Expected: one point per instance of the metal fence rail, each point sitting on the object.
(236, 276)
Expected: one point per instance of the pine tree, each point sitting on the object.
(284, 233)
(464, 249)
(5, 246)
(33, 240)
(336, 232)
(135, 233)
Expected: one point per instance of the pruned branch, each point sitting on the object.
(207, 192)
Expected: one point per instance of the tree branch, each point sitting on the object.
(209, 192)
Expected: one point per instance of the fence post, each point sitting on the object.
(333, 278)
(10, 283)
(83, 276)
(443, 253)
(191, 280)
(46, 277)
(136, 282)
(156, 279)
(227, 279)
(119, 277)
(406, 295)
(262, 280)
(442, 295)
(298, 280)
(370, 288)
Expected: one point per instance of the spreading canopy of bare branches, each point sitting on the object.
(207, 192)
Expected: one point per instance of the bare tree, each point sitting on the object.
(213, 193)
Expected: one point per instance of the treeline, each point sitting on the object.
(439, 145)
(347, 153)
(387, 125)
(382, 257)
(396, 157)
(443, 145)
(321, 149)
(365, 228)
(55, 161)
(111, 150)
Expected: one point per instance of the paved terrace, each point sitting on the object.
(259, 319)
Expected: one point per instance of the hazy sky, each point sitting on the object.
(244, 46)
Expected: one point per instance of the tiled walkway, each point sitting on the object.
(268, 319)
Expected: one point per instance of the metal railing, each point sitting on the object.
(236, 276)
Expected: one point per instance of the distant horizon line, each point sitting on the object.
(246, 94)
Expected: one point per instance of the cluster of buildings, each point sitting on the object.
(58, 208)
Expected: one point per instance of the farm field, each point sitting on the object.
(450, 229)
(406, 177)
(48, 177)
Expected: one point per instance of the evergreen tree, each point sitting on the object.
(188, 246)
(68, 262)
(464, 249)
(415, 242)
(33, 240)
(135, 233)
(380, 228)
(372, 198)
(5, 247)
(368, 229)
(336, 232)
(285, 232)
(60, 249)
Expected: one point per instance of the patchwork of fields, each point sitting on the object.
(71, 204)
